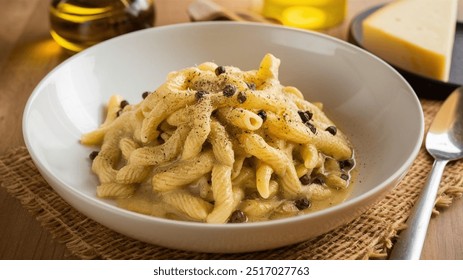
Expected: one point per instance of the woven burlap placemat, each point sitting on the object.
(368, 237)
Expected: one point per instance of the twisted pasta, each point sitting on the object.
(217, 144)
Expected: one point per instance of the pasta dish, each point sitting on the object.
(217, 144)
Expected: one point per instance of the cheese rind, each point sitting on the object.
(415, 35)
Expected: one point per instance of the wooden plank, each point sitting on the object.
(444, 238)
(27, 54)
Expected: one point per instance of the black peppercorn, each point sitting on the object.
(145, 94)
(318, 181)
(123, 104)
(238, 216)
(346, 164)
(242, 97)
(219, 70)
(311, 127)
(302, 203)
(200, 94)
(305, 116)
(262, 114)
(93, 155)
(332, 129)
(229, 90)
(305, 179)
(345, 177)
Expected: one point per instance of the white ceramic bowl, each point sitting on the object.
(371, 103)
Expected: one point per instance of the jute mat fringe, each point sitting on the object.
(368, 237)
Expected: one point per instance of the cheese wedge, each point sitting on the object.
(415, 35)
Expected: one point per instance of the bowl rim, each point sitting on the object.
(98, 202)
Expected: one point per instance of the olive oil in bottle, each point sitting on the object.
(307, 14)
(79, 24)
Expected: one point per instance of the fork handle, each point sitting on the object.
(411, 239)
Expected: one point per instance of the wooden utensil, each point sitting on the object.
(206, 10)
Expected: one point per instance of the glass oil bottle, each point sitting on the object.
(306, 14)
(79, 24)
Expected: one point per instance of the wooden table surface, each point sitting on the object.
(27, 54)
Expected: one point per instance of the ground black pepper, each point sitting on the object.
(251, 86)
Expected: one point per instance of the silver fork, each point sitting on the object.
(444, 142)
